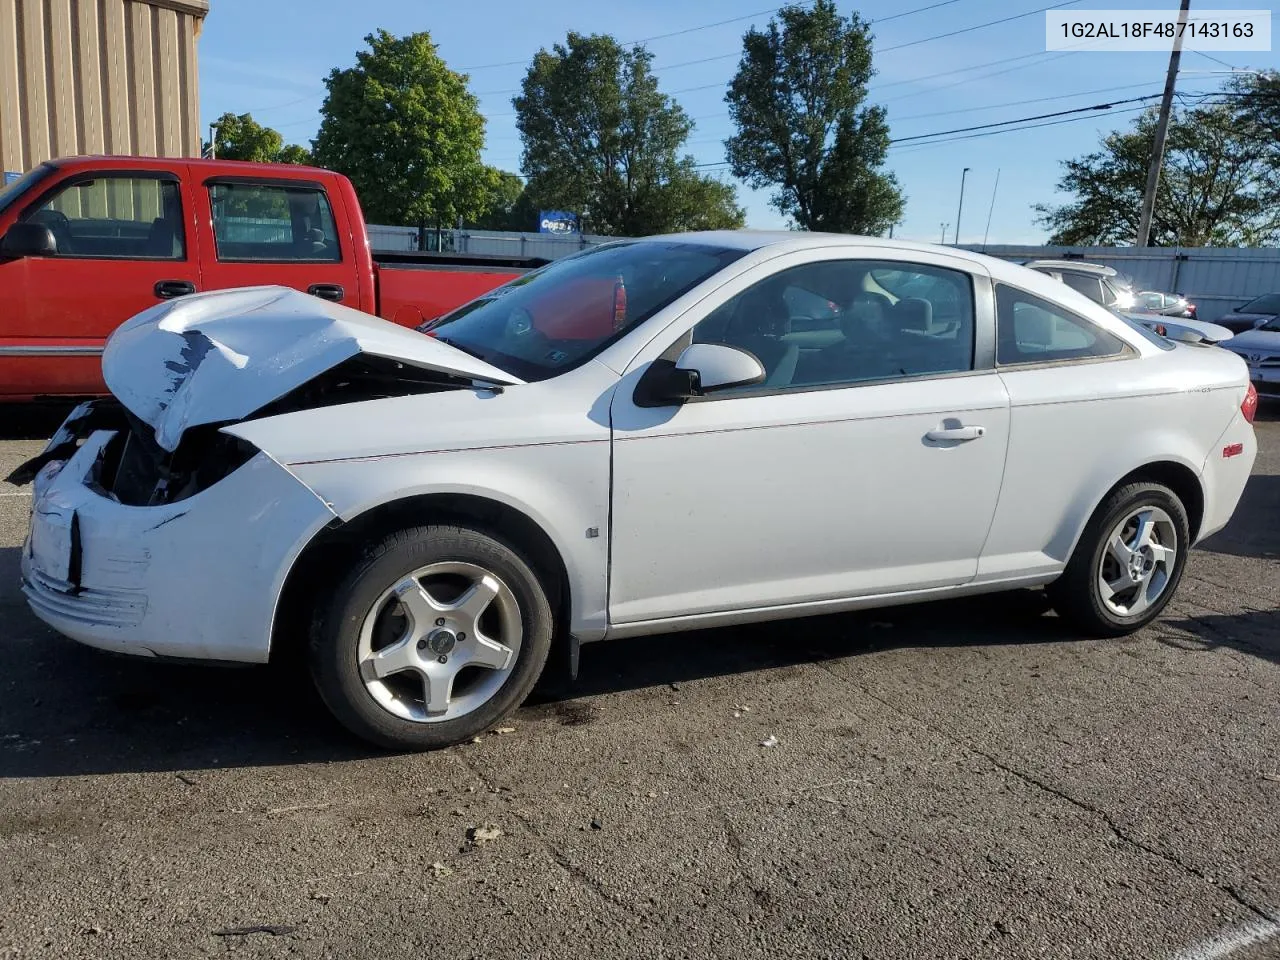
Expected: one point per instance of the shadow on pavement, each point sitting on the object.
(67, 710)
(1254, 530)
(32, 421)
(1256, 633)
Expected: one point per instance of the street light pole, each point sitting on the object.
(1162, 130)
(963, 173)
(944, 233)
(213, 141)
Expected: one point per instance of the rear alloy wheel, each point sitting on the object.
(437, 634)
(1128, 562)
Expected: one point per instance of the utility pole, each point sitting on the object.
(963, 173)
(944, 233)
(1162, 131)
(990, 211)
(213, 141)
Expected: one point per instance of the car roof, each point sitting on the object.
(789, 240)
(1078, 266)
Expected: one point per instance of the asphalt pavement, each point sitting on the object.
(960, 779)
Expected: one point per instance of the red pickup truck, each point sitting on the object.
(87, 242)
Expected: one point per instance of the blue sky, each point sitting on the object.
(269, 58)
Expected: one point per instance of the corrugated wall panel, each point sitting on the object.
(34, 82)
(98, 76)
(10, 86)
(89, 77)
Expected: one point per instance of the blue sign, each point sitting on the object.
(557, 221)
(10, 176)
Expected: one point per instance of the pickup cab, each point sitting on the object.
(88, 242)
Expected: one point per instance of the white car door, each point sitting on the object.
(869, 462)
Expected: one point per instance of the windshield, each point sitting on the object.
(1267, 303)
(13, 190)
(553, 319)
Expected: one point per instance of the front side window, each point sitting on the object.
(555, 318)
(1030, 329)
(849, 321)
(273, 223)
(116, 218)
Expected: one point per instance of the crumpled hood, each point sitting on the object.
(218, 357)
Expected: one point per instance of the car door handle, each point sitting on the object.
(168, 289)
(956, 433)
(327, 291)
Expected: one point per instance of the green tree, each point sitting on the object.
(1218, 185)
(508, 206)
(408, 132)
(240, 137)
(798, 103)
(600, 139)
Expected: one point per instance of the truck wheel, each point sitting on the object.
(1128, 562)
(437, 634)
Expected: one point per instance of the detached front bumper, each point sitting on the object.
(198, 578)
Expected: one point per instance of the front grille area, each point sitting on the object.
(116, 608)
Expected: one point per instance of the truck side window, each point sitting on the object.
(273, 222)
(116, 218)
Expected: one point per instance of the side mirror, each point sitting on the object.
(718, 366)
(701, 368)
(28, 240)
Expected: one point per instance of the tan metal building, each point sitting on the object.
(98, 76)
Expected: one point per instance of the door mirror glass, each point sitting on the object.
(28, 240)
(719, 366)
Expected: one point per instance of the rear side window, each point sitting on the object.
(274, 223)
(1030, 329)
(116, 218)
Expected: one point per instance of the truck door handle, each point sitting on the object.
(168, 289)
(327, 291)
(955, 433)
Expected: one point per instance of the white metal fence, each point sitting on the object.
(1215, 279)
(492, 242)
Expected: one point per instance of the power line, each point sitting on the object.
(993, 129)
(721, 23)
(1018, 103)
(1214, 59)
(978, 26)
(1043, 116)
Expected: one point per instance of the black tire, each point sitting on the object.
(335, 639)
(1076, 594)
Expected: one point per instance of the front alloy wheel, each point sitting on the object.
(436, 635)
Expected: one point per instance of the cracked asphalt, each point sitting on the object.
(962, 779)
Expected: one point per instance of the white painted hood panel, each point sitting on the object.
(218, 357)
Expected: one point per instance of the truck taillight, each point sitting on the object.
(1249, 409)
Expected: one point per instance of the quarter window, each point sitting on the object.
(273, 222)
(849, 321)
(116, 218)
(1033, 330)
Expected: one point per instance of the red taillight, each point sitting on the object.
(619, 304)
(1249, 409)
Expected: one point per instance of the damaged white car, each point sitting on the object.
(649, 436)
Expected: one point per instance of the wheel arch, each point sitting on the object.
(327, 557)
(1175, 474)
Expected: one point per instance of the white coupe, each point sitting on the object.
(653, 435)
